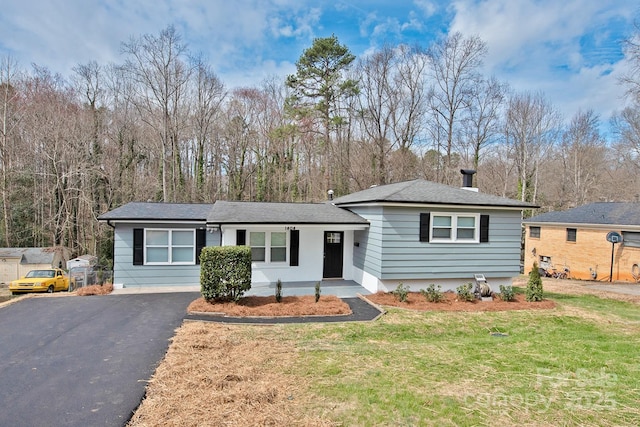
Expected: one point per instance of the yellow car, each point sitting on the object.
(44, 280)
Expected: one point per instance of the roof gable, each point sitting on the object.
(603, 213)
(426, 192)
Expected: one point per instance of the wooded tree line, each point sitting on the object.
(161, 126)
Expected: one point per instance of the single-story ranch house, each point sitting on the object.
(577, 239)
(415, 232)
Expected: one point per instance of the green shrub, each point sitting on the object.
(401, 293)
(465, 292)
(534, 285)
(278, 290)
(507, 293)
(433, 293)
(225, 272)
(317, 291)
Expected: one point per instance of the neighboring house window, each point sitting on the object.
(268, 246)
(169, 246)
(631, 239)
(534, 232)
(571, 234)
(460, 228)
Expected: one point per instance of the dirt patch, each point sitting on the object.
(328, 305)
(417, 301)
(221, 375)
(95, 290)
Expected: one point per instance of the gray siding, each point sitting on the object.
(151, 275)
(395, 252)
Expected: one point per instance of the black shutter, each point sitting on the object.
(241, 237)
(424, 227)
(201, 242)
(138, 246)
(484, 228)
(294, 249)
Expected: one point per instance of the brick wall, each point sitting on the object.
(590, 250)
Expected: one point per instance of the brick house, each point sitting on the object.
(576, 239)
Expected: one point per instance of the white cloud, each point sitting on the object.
(427, 7)
(536, 45)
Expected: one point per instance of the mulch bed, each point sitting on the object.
(254, 306)
(417, 301)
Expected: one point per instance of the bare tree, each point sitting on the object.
(584, 159)
(531, 128)
(157, 65)
(209, 94)
(391, 104)
(455, 63)
(631, 80)
(481, 124)
(10, 117)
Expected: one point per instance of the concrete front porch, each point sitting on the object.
(339, 288)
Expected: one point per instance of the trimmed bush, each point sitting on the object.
(401, 293)
(465, 292)
(534, 285)
(225, 272)
(433, 293)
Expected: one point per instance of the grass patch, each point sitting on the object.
(573, 365)
(448, 369)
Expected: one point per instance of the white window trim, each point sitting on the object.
(170, 246)
(454, 228)
(267, 246)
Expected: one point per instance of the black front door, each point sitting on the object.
(333, 254)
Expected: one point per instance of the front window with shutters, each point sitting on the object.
(268, 246)
(460, 228)
(162, 247)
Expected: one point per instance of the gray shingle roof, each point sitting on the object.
(605, 213)
(427, 192)
(281, 213)
(159, 211)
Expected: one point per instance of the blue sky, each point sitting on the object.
(570, 49)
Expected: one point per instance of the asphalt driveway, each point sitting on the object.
(82, 361)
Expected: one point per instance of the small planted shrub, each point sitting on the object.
(278, 290)
(534, 285)
(401, 293)
(225, 272)
(465, 292)
(433, 293)
(317, 291)
(507, 293)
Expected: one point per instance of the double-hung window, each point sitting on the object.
(454, 228)
(169, 246)
(268, 246)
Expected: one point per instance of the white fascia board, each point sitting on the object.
(431, 206)
(153, 222)
(292, 226)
